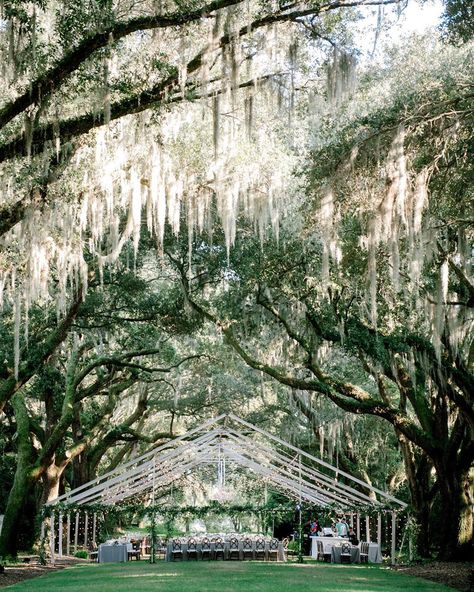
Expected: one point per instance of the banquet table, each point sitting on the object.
(280, 554)
(328, 543)
(113, 553)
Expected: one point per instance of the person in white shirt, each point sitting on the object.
(342, 527)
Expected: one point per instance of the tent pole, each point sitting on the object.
(60, 534)
(42, 540)
(94, 526)
(394, 532)
(51, 537)
(76, 532)
(86, 527)
(379, 530)
(153, 517)
(68, 535)
(300, 550)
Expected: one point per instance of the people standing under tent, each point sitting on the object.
(353, 537)
(342, 527)
(314, 527)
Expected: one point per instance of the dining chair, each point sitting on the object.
(234, 548)
(219, 548)
(346, 556)
(176, 549)
(247, 548)
(320, 550)
(273, 547)
(192, 550)
(206, 548)
(260, 548)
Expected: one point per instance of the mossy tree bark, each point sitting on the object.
(22, 482)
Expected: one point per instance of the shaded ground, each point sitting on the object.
(456, 575)
(21, 572)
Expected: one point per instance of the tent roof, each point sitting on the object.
(288, 468)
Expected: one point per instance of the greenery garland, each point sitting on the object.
(325, 513)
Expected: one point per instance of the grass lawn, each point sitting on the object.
(225, 577)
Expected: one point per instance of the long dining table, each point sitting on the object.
(280, 552)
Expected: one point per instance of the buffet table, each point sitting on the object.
(332, 546)
(328, 544)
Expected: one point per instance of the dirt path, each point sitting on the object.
(22, 572)
(459, 576)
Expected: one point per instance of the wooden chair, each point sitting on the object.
(147, 546)
(176, 549)
(260, 548)
(247, 548)
(160, 547)
(273, 549)
(136, 551)
(234, 548)
(192, 548)
(323, 555)
(285, 542)
(320, 550)
(206, 548)
(219, 548)
(346, 556)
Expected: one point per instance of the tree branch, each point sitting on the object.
(71, 128)
(49, 82)
(38, 354)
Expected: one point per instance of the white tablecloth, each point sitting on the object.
(328, 543)
(113, 553)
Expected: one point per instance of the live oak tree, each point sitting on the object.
(110, 110)
(380, 272)
(90, 121)
(98, 389)
(128, 374)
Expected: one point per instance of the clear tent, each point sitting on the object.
(294, 472)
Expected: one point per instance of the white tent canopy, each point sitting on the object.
(289, 469)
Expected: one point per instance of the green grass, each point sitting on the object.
(226, 576)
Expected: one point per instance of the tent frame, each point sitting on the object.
(290, 469)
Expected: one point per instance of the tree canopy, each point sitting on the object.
(235, 206)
